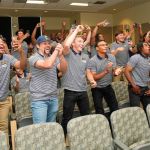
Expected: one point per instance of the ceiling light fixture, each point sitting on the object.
(79, 4)
(35, 2)
(16, 10)
(45, 11)
(114, 9)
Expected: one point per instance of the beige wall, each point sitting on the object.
(139, 14)
(54, 23)
(93, 18)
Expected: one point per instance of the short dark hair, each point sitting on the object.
(98, 42)
(2, 38)
(20, 30)
(144, 35)
(139, 47)
(119, 32)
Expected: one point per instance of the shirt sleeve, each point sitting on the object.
(133, 61)
(91, 65)
(33, 60)
(13, 60)
(113, 61)
(112, 47)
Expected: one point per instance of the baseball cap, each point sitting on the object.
(43, 38)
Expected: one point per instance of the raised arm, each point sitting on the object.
(63, 30)
(100, 24)
(88, 35)
(128, 70)
(140, 31)
(26, 35)
(33, 39)
(131, 30)
(49, 62)
(70, 38)
(62, 66)
(22, 62)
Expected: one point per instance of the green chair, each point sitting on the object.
(90, 132)
(44, 136)
(130, 128)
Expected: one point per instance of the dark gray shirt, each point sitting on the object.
(43, 83)
(23, 84)
(122, 57)
(6, 61)
(141, 69)
(75, 77)
(98, 64)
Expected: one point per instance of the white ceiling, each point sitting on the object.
(8, 6)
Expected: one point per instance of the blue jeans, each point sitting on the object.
(44, 110)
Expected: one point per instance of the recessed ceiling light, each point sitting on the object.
(36, 2)
(45, 11)
(79, 4)
(16, 10)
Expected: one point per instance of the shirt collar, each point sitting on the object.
(99, 57)
(120, 42)
(76, 52)
(144, 56)
(42, 55)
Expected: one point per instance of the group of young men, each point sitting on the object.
(76, 67)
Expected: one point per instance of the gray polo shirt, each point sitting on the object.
(141, 69)
(98, 64)
(23, 84)
(122, 57)
(5, 62)
(43, 83)
(75, 77)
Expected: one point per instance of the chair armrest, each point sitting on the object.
(120, 145)
(12, 116)
(145, 146)
(13, 126)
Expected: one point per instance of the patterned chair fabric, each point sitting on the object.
(22, 105)
(3, 141)
(46, 136)
(121, 91)
(148, 113)
(130, 126)
(89, 132)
